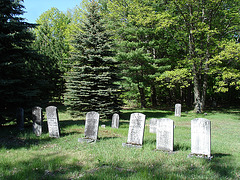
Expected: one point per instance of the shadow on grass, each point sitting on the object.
(219, 164)
(49, 166)
(12, 138)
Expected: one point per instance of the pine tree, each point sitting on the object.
(92, 83)
(22, 71)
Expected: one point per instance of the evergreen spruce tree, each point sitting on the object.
(22, 71)
(92, 83)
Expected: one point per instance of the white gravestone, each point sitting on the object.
(37, 120)
(178, 110)
(115, 121)
(153, 125)
(136, 130)
(201, 137)
(165, 134)
(53, 121)
(91, 127)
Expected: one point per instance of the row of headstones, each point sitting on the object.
(200, 135)
(164, 129)
(92, 122)
(37, 117)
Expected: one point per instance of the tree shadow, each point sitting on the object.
(47, 166)
(12, 138)
(217, 166)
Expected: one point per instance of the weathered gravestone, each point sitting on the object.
(20, 118)
(136, 130)
(178, 110)
(37, 120)
(153, 125)
(115, 121)
(91, 127)
(53, 121)
(201, 137)
(165, 134)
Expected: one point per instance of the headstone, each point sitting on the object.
(201, 137)
(165, 134)
(115, 121)
(37, 120)
(53, 121)
(91, 127)
(20, 118)
(178, 110)
(153, 125)
(136, 130)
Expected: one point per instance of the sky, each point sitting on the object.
(34, 8)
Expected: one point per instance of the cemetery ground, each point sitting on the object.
(23, 155)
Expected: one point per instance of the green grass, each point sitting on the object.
(25, 156)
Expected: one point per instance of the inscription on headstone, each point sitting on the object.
(201, 137)
(91, 127)
(20, 118)
(153, 125)
(115, 121)
(37, 120)
(136, 130)
(165, 134)
(53, 121)
(178, 110)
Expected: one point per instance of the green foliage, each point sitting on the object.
(144, 50)
(91, 83)
(51, 41)
(22, 81)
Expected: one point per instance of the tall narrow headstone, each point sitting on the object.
(178, 110)
(153, 125)
(53, 121)
(37, 120)
(91, 127)
(165, 134)
(201, 137)
(136, 130)
(20, 118)
(115, 121)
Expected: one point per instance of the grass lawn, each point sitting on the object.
(25, 156)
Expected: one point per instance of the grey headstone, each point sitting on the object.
(136, 130)
(91, 127)
(201, 137)
(153, 125)
(37, 120)
(53, 121)
(115, 121)
(178, 110)
(165, 134)
(20, 118)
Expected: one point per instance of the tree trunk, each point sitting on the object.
(153, 96)
(197, 95)
(142, 96)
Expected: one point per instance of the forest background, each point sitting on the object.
(167, 52)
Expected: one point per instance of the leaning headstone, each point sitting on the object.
(37, 120)
(136, 130)
(153, 125)
(20, 118)
(91, 127)
(178, 110)
(53, 121)
(201, 137)
(115, 121)
(165, 134)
